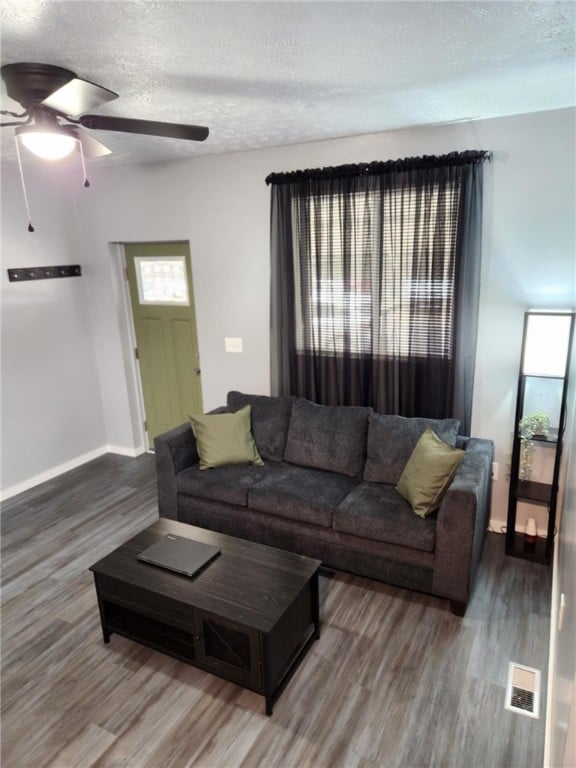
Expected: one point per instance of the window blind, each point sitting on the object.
(374, 271)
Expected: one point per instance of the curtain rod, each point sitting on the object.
(376, 167)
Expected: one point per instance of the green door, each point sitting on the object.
(160, 280)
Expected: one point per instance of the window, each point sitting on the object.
(373, 290)
(162, 280)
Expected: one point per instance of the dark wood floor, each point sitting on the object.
(395, 680)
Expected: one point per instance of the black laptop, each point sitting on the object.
(176, 553)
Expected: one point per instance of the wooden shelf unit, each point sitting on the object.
(529, 491)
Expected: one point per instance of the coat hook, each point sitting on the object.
(43, 273)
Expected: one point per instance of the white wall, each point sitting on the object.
(561, 710)
(221, 205)
(51, 412)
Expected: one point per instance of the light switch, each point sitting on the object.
(233, 344)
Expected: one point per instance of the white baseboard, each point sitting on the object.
(53, 472)
(122, 450)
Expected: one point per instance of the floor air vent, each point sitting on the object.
(523, 690)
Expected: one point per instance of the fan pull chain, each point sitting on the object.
(86, 182)
(30, 227)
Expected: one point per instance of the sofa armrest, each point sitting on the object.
(175, 450)
(463, 518)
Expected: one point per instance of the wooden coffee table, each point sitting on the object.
(250, 616)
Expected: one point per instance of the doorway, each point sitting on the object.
(162, 301)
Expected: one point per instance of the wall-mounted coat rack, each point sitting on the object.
(43, 273)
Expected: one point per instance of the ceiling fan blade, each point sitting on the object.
(78, 96)
(90, 146)
(147, 127)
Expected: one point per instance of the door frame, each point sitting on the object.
(128, 345)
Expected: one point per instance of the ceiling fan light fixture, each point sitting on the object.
(46, 142)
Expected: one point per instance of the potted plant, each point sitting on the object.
(532, 425)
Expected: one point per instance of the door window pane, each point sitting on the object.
(162, 280)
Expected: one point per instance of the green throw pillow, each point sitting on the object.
(225, 438)
(428, 473)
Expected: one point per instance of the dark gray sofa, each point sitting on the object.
(327, 490)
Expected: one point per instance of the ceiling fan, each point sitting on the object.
(55, 100)
(51, 126)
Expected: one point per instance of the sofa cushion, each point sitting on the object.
(270, 421)
(225, 438)
(391, 440)
(378, 512)
(428, 473)
(326, 437)
(226, 484)
(299, 493)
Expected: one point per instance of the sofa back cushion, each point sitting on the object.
(270, 421)
(329, 437)
(391, 440)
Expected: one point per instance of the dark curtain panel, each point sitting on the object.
(375, 283)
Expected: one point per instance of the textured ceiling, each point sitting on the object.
(270, 73)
